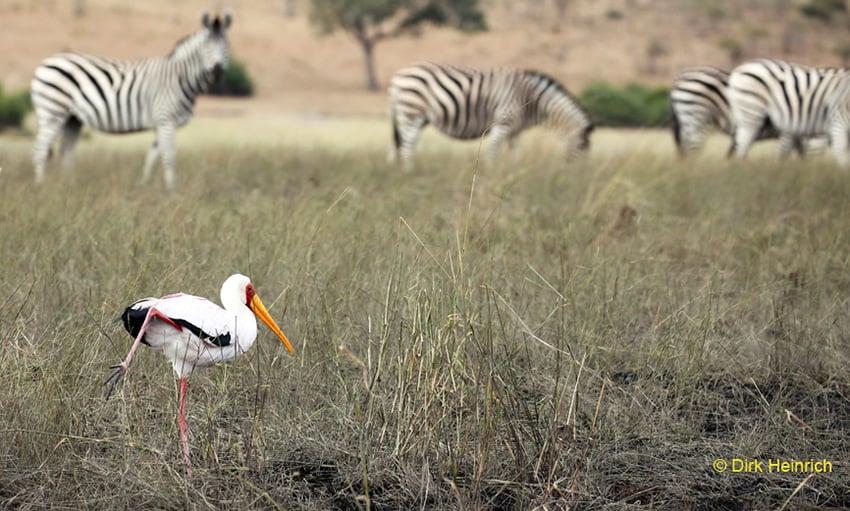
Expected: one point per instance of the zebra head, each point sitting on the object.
(584, 138)
(576, 135)
(549, 102)
(215, 52)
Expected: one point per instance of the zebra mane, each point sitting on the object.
(549, 81)
(551, 84)
(822, 69)
(188, 42)
(214, 26)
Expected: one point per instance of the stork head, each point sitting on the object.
(237, 289)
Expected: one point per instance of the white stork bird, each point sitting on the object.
(194, 332)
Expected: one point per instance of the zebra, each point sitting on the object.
(699, 101)
(466, 103)
(71, 90)
(799, 101)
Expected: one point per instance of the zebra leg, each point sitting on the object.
(800, 147)
(165, 139)
(786, 144)
(498, 134)
(840, 144)
(409, 134)
(150, 161)
(744, 138)
(694, 138)
(48, 129)
(70, 135)
(690, 136)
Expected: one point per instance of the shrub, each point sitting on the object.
(13, 108)
(234, 82)
(631, 106)
(714, 12)
(843, 51)
(822, 9)
(733, 49)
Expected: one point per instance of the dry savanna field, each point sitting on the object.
(601, 333)
(590, 335)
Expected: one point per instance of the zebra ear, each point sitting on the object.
(205, 19)
(227, 19)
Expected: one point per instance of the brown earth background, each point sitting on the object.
(296, 69)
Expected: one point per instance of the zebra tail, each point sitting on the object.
(396, 134)
(677, 136)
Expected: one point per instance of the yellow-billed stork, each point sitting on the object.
(194, 332)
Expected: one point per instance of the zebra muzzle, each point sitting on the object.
(217, 71)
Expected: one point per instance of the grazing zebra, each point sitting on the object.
(798, 101)
(465, 103)
(699, 102)
(71, 90)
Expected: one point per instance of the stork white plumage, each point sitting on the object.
(194, 332)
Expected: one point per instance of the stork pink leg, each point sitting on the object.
(122, 368)
(184, 428)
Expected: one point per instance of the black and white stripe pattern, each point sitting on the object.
(699, 102)
(465, 103)
(799, 101)
(71, 90)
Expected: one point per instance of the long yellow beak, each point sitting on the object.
(261, 312)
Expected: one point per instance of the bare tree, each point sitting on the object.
(561, 9)
(372, 21)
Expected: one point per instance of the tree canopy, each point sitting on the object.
(371, 21)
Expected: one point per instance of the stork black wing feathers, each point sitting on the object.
(133, 319)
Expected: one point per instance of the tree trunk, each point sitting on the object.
(561, 8)
(368, 46)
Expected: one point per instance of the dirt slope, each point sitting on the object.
(296, 69)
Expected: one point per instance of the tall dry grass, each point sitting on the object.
(535, 335)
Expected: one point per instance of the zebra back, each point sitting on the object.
(452, 98)
(119, 96)
(797, 99)
(465, 103)
(698, 96)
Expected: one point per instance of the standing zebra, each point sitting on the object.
(798, 101)
(699, 101)
(70, 90)
(465, 103)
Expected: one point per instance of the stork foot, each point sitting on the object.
(115, 377)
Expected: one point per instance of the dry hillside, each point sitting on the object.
(297, 69)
